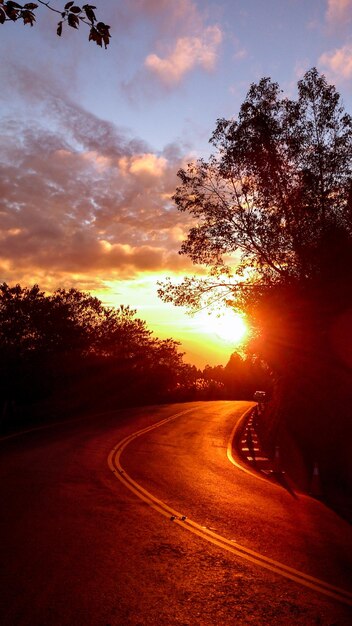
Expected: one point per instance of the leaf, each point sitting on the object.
(30, 6)
(2, 16)
(13, 5)
(95, 36)
(59, 29)
(89, 12)
(11, 13)
(103, 30)
(75, 9)
(28, 17)
(106, 40)
(68, 5)
(73, 20)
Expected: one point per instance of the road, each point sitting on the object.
(92, 533)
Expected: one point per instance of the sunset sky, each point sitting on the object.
(91, 139)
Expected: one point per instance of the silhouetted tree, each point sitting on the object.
(70, 14)
(279, 183)
(67, 347)
(278, 194)
(215, 372)
(240, 377)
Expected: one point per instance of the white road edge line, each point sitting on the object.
(234, 461)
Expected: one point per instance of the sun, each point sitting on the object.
(229, 326)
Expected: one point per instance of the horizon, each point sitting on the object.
(115, 125)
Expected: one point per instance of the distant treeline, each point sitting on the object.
(66, 353)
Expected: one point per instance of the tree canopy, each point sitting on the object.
(278, 187)
(68, 347)
(273, 224)
(71, 14)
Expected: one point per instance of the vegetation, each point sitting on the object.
(238, 380)
(66, 352)
(273, 211)
(72, 15)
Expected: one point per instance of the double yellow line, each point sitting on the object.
(231, 546)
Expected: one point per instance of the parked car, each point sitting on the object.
(259, 396)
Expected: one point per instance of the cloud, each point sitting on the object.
(146, 166)
(338, 62)
(338, 11)
(183, 40)
(240, 54)
(188, 53)
(82, 201)
(45, 99)
(169, 16)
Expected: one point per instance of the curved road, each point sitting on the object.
(92, 529)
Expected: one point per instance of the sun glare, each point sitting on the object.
(228, 326)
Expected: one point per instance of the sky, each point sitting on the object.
(92, 139)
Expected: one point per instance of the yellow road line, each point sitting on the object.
(252, 556)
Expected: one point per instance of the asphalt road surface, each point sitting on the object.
(138, 517)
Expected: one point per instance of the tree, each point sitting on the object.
(278, 186)
(71, 14)
(240, 377)
(273, 211)
(69, 350)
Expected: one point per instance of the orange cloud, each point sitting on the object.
(338, 10)
(183, 41)
(81, 200)
(147, 164)
(188, 53)
(338, 62)
(80, 212)
(99, 161)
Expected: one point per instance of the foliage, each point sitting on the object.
(273, 223)
(239, 379)
(66, 343)
(279, 183)
(71, 14)
(67, 351)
